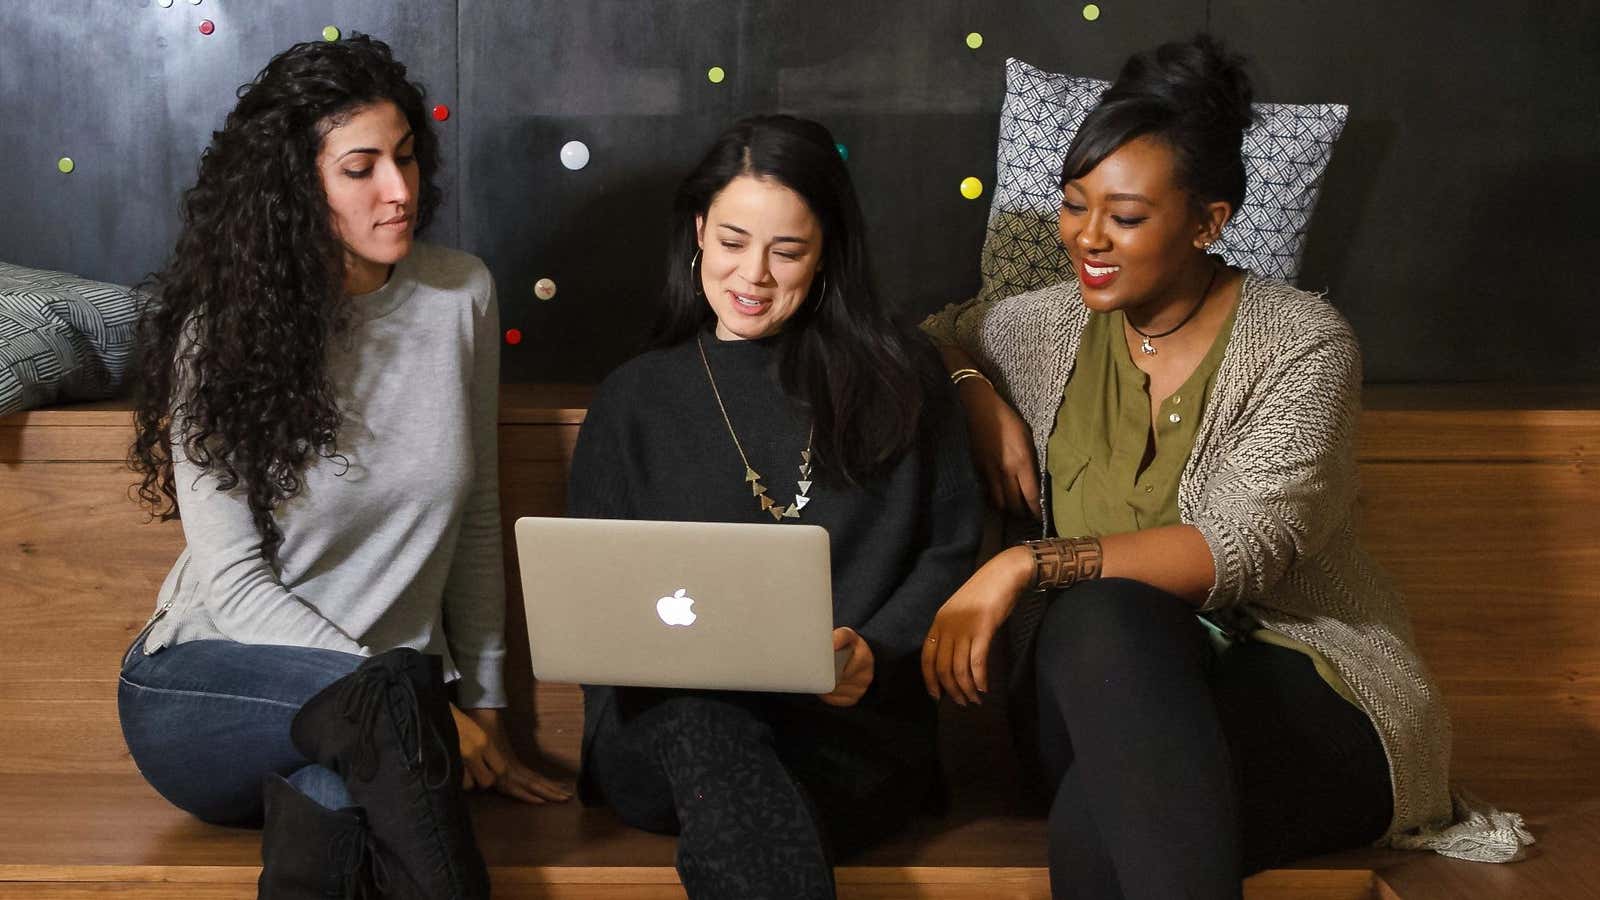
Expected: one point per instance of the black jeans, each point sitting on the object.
(1180, 770)
(764, 791)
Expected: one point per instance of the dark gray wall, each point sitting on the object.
(1458, 209)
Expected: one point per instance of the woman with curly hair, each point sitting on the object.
(317, 404)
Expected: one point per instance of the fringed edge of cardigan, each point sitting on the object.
(1478, 832)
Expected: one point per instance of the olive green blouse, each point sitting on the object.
(1112, 472)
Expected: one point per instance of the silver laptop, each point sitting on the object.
(679, 604)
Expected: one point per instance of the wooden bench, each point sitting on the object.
(1485, 505)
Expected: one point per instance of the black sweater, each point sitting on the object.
(655, 446)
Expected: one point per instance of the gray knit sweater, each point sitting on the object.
(1271, 485)
(402, 546)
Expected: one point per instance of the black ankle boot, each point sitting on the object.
(310, 851)
(386, 728)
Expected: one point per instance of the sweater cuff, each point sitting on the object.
(940, 327)
(482, 684)
(881, 665)
(885, 652)
(1227, 559)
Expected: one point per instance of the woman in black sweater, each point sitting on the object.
(781, 389)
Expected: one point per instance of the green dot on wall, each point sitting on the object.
(65, 165)
(1091, 12)
(715, 74)
(974, 40)
(330, 34)
(844, 152)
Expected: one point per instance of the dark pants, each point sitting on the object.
(1180, 770)
(206, 720)
(764, 791)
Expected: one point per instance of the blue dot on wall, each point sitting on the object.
(844, 152)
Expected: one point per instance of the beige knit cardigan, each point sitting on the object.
(1271, 485)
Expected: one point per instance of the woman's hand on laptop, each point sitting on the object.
(488, 760)
(857, 674)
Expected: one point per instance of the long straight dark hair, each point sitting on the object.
(864, 375)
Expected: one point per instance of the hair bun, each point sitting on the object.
(1214, 78)
(1197, 77)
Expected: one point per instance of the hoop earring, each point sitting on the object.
(694, 280)
(823, 294)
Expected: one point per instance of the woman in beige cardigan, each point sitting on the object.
(1225, 680)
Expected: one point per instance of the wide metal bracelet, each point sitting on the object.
(1062, 562)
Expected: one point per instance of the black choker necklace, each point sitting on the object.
(1145, 345)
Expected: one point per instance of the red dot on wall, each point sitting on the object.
(513, 336)
(441, 112)
(207, 26)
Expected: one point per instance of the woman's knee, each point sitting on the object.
(643, 764)
(1109, 610)
(322, 785)
(705, 719)
(1095, 626)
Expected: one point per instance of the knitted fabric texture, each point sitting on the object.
(1271, 485)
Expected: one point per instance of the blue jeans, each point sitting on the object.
(205, 721)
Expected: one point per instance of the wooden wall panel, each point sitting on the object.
(1485, 519)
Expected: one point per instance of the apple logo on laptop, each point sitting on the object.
(675, 610)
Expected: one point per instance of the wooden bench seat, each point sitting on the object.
(109, 835)
(1484, 505)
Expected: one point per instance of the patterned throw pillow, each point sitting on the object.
(1285, 154)
(61, 337)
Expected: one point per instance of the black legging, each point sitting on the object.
(1180, 771)
(764, 792)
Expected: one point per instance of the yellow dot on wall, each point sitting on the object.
(715, 74)
(1091, 12)
(65, 165)
(974, 40)
(330, 34)
(971, 188)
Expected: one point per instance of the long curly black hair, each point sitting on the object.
(231, 356)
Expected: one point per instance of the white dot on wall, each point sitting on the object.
(574, 155)
(544, 289)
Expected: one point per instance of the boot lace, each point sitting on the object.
(363, 700)
(355, 855)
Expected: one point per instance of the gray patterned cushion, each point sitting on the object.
(1285, 154)
(61, 337)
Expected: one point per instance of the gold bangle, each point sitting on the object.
(1062, 562)
(961, 375)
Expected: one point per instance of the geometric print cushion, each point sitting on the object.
(1285, 154)
(62, 337)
